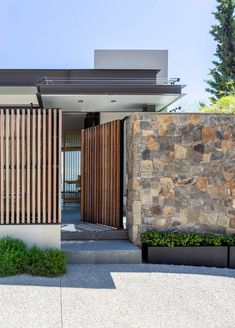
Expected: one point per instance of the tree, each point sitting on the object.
(222, 80)
(225, 104)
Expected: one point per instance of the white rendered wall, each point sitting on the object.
(18, 95)
(112, 116)
(133, 59)
(41, 235)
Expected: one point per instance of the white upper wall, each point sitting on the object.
(112, 116)
(132, 59)
(18, 96)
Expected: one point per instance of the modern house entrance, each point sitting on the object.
(92, 175)
(43, 158)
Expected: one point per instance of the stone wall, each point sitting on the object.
(181, 173)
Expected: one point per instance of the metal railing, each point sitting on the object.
(105, 81)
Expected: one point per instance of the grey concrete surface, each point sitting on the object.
(102, 252)
(28, 302)
(71, 214)
(117, 234)
(122, 296)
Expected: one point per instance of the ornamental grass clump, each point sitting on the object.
(47, 263)
(15, 258)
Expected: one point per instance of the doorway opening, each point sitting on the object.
(72, 125)
(86, 186)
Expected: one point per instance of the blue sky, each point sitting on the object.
(64, 33)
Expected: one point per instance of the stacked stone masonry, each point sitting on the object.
(181, 173)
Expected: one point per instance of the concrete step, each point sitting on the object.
(102, 252)
(121, 234)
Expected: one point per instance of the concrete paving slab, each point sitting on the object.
(101, 252)
(148, 296)
(129, 296)
(30, 302)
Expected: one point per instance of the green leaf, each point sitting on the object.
(173, 239)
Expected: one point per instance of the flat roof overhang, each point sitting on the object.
(109, 102)
(108, 97)
(88, 89)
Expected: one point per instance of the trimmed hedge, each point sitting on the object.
(173, 239)
(15, 258)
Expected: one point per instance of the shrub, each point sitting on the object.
(48, 263)
(13, 256)
(173, 239)
(224, 105)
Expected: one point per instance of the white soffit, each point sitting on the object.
(18, 96)
(108, 103)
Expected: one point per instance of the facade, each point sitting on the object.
(94, 146)
(43, 113)
(181, 170)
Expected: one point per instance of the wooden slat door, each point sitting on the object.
(101, 174)
(30, 161)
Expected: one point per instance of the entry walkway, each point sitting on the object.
(73, 228)
(71, 221)
(126, 296)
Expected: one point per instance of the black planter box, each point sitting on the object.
(232, 257)
(209, 256)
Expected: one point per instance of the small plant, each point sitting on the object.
(174, 239)
(47, 263)
(15, 258)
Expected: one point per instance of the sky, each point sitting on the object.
(64, 34)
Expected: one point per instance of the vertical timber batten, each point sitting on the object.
(30, 156)
(23, 169)
(101, 174)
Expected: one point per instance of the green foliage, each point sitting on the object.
(223, 105)
(222, 80)
(173, 239)
(15, 258)
(47, 263)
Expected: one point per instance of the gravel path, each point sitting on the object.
(141, 295)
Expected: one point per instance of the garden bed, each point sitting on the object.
(188, 249)
(209, 256)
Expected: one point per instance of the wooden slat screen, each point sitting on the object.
(30, 156)
(101, 166)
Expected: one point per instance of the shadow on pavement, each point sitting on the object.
(100, 276)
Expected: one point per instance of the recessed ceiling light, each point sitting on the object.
(80, 101)
(113, 101)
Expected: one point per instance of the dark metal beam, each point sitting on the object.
(30, 77)
(109, 89)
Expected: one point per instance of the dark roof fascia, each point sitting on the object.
(109, 89)
(30, 77)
